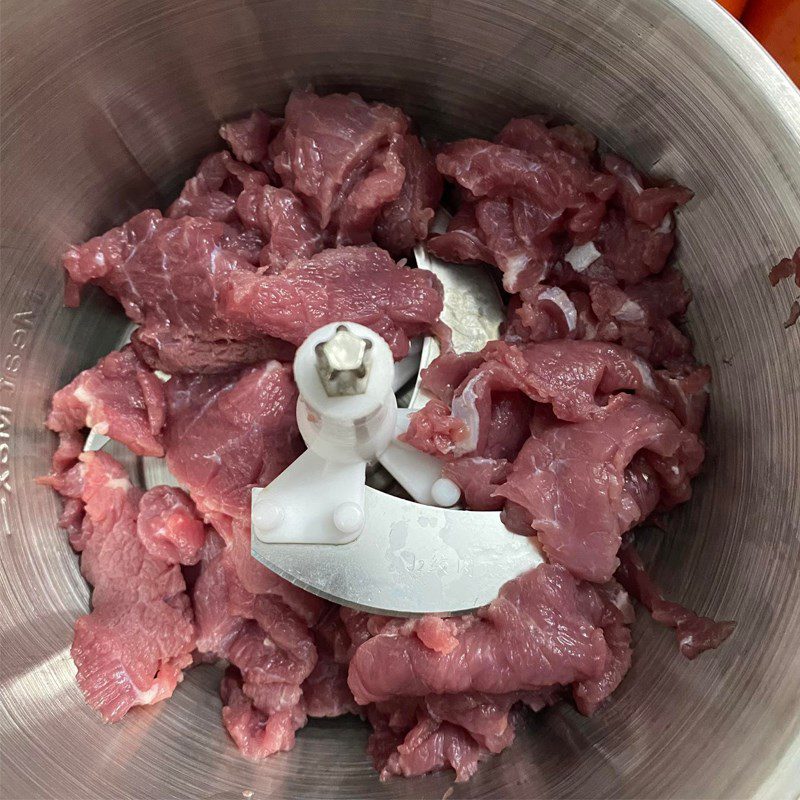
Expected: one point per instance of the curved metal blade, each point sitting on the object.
(410, 560)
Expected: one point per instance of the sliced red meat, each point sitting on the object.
(406, 220)
(486, 718)
(275, 653)
(577, 426)
(212, 192)
(515, 643)
(268, 644)
(694, 634)
(178, 351)
(285, 226)
(119, 397)
(662, 297)
(685, 393)
(509, 426)
(785, 268)
(175, 277)
(358, 284)
(649, 206)
(573, 139)
(435, 430)
(557, 182)
(169, 526)
(214, 598)
(254, 576)
(380, 181)
(436, 731)
(462, 243)
(559, 144)
(504, 425)
(249, 137)
(576, 377)
(426, 747)
(325, 691)
(614, 612)
(544, 313)
(571, 478)
(68, 482)
(447, 372)
(632, 250)
(437, 633)
(519, 233)
(643, 489)
(325, 144)
(226, 434)
(167, 274)
(514, 234)
(636, 236)
(133, 646)
(537, 202)
(256, 734)
(415, 735)
(357, 168)
(642, 317)
(529, 195)
(515, 517)
(132, 655)
(265, 636)
(70, 447)
(113, 559)
(439, 731)
(478, 478)
(359, 627)
(244, 243)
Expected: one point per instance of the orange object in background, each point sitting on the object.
(776, 24)
(735, 7)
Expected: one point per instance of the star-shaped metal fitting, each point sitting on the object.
(343, 363)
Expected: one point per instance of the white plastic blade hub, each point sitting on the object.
(313, 501)
(353, 427)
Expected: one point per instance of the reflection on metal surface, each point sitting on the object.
(108, 104)
(47, 680)
(473, 310)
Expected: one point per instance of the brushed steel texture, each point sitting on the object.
(108, 104)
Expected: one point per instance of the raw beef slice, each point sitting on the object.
(360, 171)
(188, 292)
(118, 397)
(132, 648)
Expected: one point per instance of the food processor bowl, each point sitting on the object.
(107, 105)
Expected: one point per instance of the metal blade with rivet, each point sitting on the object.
(319, 526)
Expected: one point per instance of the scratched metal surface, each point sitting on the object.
(107, 104)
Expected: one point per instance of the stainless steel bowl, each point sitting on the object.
(108, 104)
